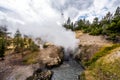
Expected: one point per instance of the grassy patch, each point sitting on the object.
(104, 51)
(30, 58)
(82, 76)
(107, 71)
(87, 75)
(100, 67)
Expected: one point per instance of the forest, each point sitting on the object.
(108, 26)
(19, 43)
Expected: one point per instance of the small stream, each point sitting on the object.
(69, 70)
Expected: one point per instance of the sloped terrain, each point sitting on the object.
(89, 45)
(105, 68)
(100, 57)
(19, 67)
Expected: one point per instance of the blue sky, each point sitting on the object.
(75, 9)
(86, 8)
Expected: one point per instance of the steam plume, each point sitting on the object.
(37, 18)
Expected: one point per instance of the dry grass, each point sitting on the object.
(87, 75)
(107, 67)
(103, 52)
(115, 54)
(78, 34)
(31, 58)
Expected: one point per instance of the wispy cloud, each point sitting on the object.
(77, 8)
(100, 8)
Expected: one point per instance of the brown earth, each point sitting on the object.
(51, 56)
(89, 45)
(13, 67)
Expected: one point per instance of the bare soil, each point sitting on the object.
(89, 45)
(86, 39)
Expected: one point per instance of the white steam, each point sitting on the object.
(37, 18)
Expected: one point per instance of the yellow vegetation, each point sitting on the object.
(107, 67)
(78, 33)
(31, 58)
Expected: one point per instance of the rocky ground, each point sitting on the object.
(41, 75)
(51, 56)
(14, 67)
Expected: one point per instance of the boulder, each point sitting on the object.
(41, 75)
(51, 56)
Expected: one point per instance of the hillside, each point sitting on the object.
(17, 66)
(100, 58)
(105, 68)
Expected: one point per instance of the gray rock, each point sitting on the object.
(41, 75)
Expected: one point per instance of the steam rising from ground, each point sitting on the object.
(37, 18)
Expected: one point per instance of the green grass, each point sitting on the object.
(103, 71)
(101, 67)
(107, 71)
(104, 51)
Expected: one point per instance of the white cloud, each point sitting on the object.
(37, 18)
(98, 8)
(93, 8)
(43, 17)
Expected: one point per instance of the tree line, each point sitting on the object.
(18, 43)
(108, 26)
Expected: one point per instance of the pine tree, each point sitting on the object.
(3, 40)
(69, 21)
(117, 12)
(2, 47)
(18, 42)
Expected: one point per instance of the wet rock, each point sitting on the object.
(41, 75)
(54, 62)
(86, 52)
(51, 56)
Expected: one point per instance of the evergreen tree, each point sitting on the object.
(108, 26)
(18, 42)
(2, 47)
(69, 21)
(95, 21)
(3, 31)
(117, 12)
(3, 40)
(69, 24)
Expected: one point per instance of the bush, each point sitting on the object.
(112, 37)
